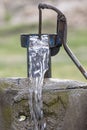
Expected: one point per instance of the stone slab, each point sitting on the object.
(64, 104)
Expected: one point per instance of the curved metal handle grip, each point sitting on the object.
(46, 6)
(61, 27)
(60, 17)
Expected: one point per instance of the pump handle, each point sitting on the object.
(60, 17)
(62, 27)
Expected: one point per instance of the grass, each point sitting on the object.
(13, 56)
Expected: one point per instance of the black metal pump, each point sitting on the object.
(55, 40)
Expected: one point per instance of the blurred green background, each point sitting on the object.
(13, 61)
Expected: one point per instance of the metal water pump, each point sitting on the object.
(55, 40)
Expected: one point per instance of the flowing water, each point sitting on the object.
(38, 65)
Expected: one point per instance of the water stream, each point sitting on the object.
(38, 65)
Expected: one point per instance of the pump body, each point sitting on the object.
(55, 40)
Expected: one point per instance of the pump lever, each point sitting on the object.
(70, 53)
(62, 21)
(75, 60)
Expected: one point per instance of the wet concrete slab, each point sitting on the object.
(64, 104)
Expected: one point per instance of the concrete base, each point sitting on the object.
(64, 104)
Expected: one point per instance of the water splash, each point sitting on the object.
(38, 65)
